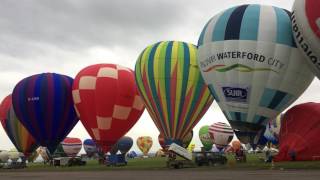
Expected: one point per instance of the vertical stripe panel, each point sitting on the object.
(250, 23)
(267, 96)
(267, 24)
(207, 36)
(284, 102)
(284, 35)
(277, 98)
(204, 30)
(218, 32)
(234, 23)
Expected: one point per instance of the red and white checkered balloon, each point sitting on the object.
(107, 102)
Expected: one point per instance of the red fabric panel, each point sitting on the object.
(300, 133)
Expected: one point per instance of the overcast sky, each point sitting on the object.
(64, 36)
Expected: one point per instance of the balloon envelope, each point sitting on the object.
(299, 134)
(236, 145)
(205, 137)
(44, 153)
(144, 143)
(71, 146)
(170, 83)
(43, 104)
(306, 30)
(221, 133)
(124, 144)
(252, 66)
(17, 133)
(4, 156)
(107, 102)
(90, 147)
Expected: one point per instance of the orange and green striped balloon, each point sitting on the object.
(172, 88)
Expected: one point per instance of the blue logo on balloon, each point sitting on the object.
(235, 94)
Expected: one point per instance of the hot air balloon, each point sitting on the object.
(14, 155)
(252, 66)
(221, 133)
(124, 144)
(170, 83)
(236, 145)
(44, 153)
(300, 132)
(4, 156)
(107, 102)
(43, 104)
(17, 133)
(205, 138)
(144, 143)
(71, 146)
(306, 31)
(132, 154)
(90, 147)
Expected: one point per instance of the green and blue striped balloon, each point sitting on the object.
(172, 88)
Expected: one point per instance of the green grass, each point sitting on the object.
(253, 163)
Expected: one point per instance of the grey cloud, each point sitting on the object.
(81, 24)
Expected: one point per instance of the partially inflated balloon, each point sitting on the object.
(107, 102)
(236, 145)
(43, 104)
(205, 137)
(252, 66)
(17, 133)
(44, 153)
(90, 147)
(71, 146)
(4, 156)
(306, 29)
(172, 88)
(221, 133)
(124, 144)
(299, 135)
(144, 143)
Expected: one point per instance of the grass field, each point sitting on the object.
(253, 163)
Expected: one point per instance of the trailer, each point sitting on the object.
(179, 157)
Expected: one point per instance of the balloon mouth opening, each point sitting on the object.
(105, 146)
(169, 141)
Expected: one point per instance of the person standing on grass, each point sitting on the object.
(292, 154)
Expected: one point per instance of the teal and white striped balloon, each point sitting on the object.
(253, 68)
